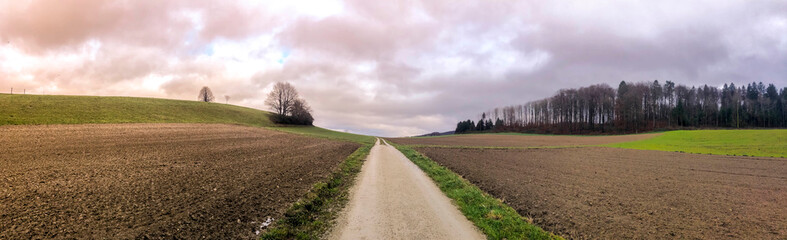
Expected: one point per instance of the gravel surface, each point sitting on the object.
(394, 199)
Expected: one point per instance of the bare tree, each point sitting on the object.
(205, 95)
(282, 98)
(227, 98)
(301, 113)
(289, 108)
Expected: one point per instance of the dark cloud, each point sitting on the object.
(386, 67)
(52, 25)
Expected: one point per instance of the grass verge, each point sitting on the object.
(309, 217)
(495, 219)
(759, 143)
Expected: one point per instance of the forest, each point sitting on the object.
(640, 107)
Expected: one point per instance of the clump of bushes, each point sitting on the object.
(288, 107)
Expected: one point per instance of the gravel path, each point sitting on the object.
(394, 199)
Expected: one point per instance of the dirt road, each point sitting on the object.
(394, 199)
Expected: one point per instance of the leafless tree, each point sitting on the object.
(301, 113)
(205, 95)
(289, 108)
(282, 98)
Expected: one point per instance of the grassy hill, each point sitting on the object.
(761, 143)
(53, 109)
(50, 109)
(325, 133)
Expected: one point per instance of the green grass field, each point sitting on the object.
(486, 133)
(531, 134)
(326, 133)
(54, 109)
(760, 143)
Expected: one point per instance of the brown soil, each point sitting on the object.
(607, 193)
(153, 180)
(496, 140)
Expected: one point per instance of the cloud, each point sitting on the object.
(387, 68)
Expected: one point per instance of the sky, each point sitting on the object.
(385, 68)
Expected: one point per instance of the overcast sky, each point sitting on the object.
(388, 68)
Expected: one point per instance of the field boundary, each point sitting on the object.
(538, 134)
(494, 147)
(311, 216)
(493, 217)
(738, 142)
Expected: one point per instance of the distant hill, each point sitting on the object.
(56, 109)
(436, 134)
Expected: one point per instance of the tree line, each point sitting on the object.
(639, 107)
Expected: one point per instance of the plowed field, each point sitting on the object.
(608, 193)
(153, 180)
(498, 140)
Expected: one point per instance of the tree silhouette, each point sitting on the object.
(205, 95)
(290, 109)
(282, 97)
(301, 113)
